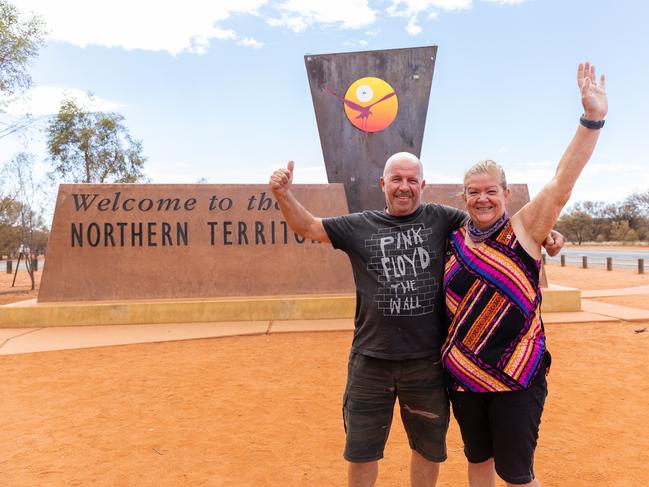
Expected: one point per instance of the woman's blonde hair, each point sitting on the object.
(487, 167)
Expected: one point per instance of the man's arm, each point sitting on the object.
(540, 214)
(553, 243)
(298, 218)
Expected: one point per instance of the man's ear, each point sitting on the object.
(508, 193)
(382, 183)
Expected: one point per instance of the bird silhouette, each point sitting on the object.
(363, 112)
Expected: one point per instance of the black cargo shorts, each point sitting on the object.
(373, 385)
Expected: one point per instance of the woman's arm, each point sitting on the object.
(536, 218)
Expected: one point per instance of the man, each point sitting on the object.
(397, 258)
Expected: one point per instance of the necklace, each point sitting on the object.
(479, 236)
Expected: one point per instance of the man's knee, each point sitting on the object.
(423, 472)
(425, 463)
(362, 474)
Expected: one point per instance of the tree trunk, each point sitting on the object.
(30, 269)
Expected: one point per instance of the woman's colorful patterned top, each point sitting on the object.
(496, 340)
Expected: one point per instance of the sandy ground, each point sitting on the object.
(595, 278)
(22, 290)
(265, 410)
(641, 301)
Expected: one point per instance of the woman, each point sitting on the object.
(495, 351)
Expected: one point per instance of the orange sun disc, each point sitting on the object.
(371, 104)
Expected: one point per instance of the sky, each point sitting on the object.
(217, 90)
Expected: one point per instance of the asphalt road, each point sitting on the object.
(622, 259)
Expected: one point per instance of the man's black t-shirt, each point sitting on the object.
(398, 265)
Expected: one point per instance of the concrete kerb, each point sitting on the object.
(32, 338)
(31, 314)
(623, 313)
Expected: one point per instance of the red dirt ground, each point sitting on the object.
(265, 411)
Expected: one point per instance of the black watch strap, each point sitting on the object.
(591, 124)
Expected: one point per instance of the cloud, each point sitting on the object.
(548, 163)
(298, 15)
(534, 172)
(150, 25)
(295, 23)
(355, 43)
(412, 28)
(250, 42)
(187, 171)
(45, 100)
(614, 167)
(505, 2)
(601, 183)
(311, 175)
(451, 177)
(411, 9)
(191, 26)
(606, 180)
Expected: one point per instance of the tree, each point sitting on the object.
(9, 235)
(600, 225)
(27, 225)
(640, 200)
(93, 147)
(8, 215)
(626, 220)
(20, 41)
(643, 229)
(577, 226)
(622, 232)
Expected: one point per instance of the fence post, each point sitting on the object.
(9, 266)
(640, 266)
(544, 258)
(609, 263)
(584, 262)
(35, 263)
(563, 260)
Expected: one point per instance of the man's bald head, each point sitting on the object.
(403, 158)
(402, 183)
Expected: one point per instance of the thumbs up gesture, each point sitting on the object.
(281, 180)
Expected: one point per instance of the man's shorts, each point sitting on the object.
(373, 384)
(502, 425)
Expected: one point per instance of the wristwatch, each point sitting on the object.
(591, 124)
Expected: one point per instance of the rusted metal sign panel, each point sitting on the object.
(131, 241)
(368, 106)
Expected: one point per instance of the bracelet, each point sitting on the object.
(591, 124)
